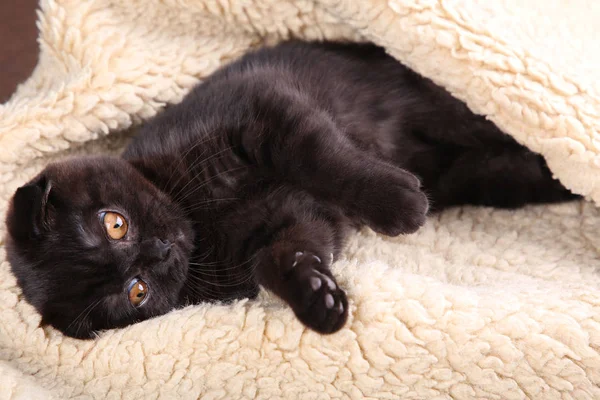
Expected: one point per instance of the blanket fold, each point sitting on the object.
(480, 303)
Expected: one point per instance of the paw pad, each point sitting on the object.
(329, 301)
(321, 304)
(315, 283)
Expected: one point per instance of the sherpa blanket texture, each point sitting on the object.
(479, 304)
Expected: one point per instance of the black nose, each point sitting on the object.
(157, 248)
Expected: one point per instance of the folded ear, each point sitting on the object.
(28, 215)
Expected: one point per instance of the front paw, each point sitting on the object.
(315, 297)
(391, 202)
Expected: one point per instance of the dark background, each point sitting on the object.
(18, 43)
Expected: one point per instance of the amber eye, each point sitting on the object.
(138, 292)
(115, 224)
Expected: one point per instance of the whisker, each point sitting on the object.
(206, 264)
(229, 268)
(218, 273)
(207, 294)
(214, 265)
(209, 135)
(199, 161)
(223, 285)
(206, 182)
(81, 313)
(244, 276)
(198, 205)
(82, 319)
(205, 255)
(182, 159)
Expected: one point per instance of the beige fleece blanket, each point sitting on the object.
(479, 304)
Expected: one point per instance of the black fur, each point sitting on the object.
(257, 177)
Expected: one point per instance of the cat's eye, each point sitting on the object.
(115, 224)
(138, 292)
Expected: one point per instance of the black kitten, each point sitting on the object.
(255, 179)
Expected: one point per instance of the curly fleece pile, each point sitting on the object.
(480, 304)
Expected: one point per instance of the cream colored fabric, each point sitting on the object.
(478, 304)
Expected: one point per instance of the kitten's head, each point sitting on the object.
(94, 245)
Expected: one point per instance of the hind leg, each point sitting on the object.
(503, 176)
